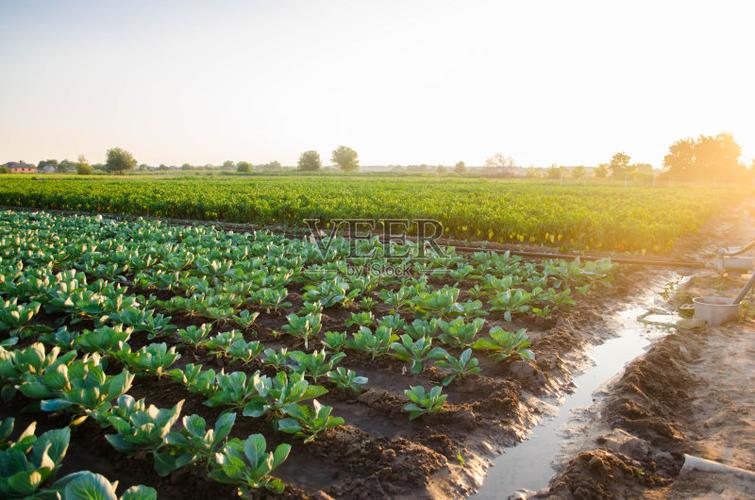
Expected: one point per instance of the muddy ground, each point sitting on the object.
(692, 393)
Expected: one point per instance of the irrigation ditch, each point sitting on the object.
(528, 466)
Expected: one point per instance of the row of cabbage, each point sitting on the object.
(78, 269)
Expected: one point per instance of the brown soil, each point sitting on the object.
(691, 393)
(379, 453)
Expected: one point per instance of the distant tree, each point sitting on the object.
(66, 166)
(619, 165)
(82, 166)
(186, 166)
(707, 158)
(310, 161)
(119, 161)
(272, 166)
(229, 165)
(3, 169)
(244, 167)
(460, 167)
(554, 172)
(47, 163)
(346, 158)
(84, 169)
(601, 172)
(641, 168)
(441, 169)
(162, 167)
(498, 160)
(578, 172)
(533, 172)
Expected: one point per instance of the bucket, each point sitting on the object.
(715, 310)
(738, 264)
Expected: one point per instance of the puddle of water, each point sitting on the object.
(529, 464)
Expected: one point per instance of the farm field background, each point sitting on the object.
(586, 216)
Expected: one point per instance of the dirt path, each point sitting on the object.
(691, 393)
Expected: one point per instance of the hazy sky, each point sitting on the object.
(407, 81)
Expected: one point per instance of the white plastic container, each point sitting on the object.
(740, 264)
(715, 310)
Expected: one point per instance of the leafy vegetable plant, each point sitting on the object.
(503, 344)
(306, 422)
(138, 427)
(193, 444)
(422, 402)
(247, 464)
(374, 344)
(417, 352)
(459, 367)
(345, 378)
(315, 364)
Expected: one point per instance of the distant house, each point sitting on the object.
(20, 167)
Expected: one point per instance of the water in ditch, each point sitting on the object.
(529, 465)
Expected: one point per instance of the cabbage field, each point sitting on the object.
(143, 359)
(587, 216)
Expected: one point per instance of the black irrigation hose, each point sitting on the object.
(565, 256)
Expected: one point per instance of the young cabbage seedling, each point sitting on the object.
(420, 328)
(104, 339)
(195, 379)
(315, 364)
(86, 484)
(374, 344)
(245, 351)
(138, 427)
(303, 327)
(222, 341)
(418, 352)
(503, 344)
(195, 335)
(247, 465)
(275, 358)
(422, 402)
(234, 390)
(393, 321)
(193, 444)
(457, 333)
(335, 341)
(274, 393)
(272, 299)
(365, 318)
(367, 303)
(459, 367)
(306, 422)
(31, 460)
(245, 319)
(347, 379)
(152, 359)
(512, 301)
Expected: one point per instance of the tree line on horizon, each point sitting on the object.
(707, 158)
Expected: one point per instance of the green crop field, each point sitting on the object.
(589, 216)
(260, 342)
